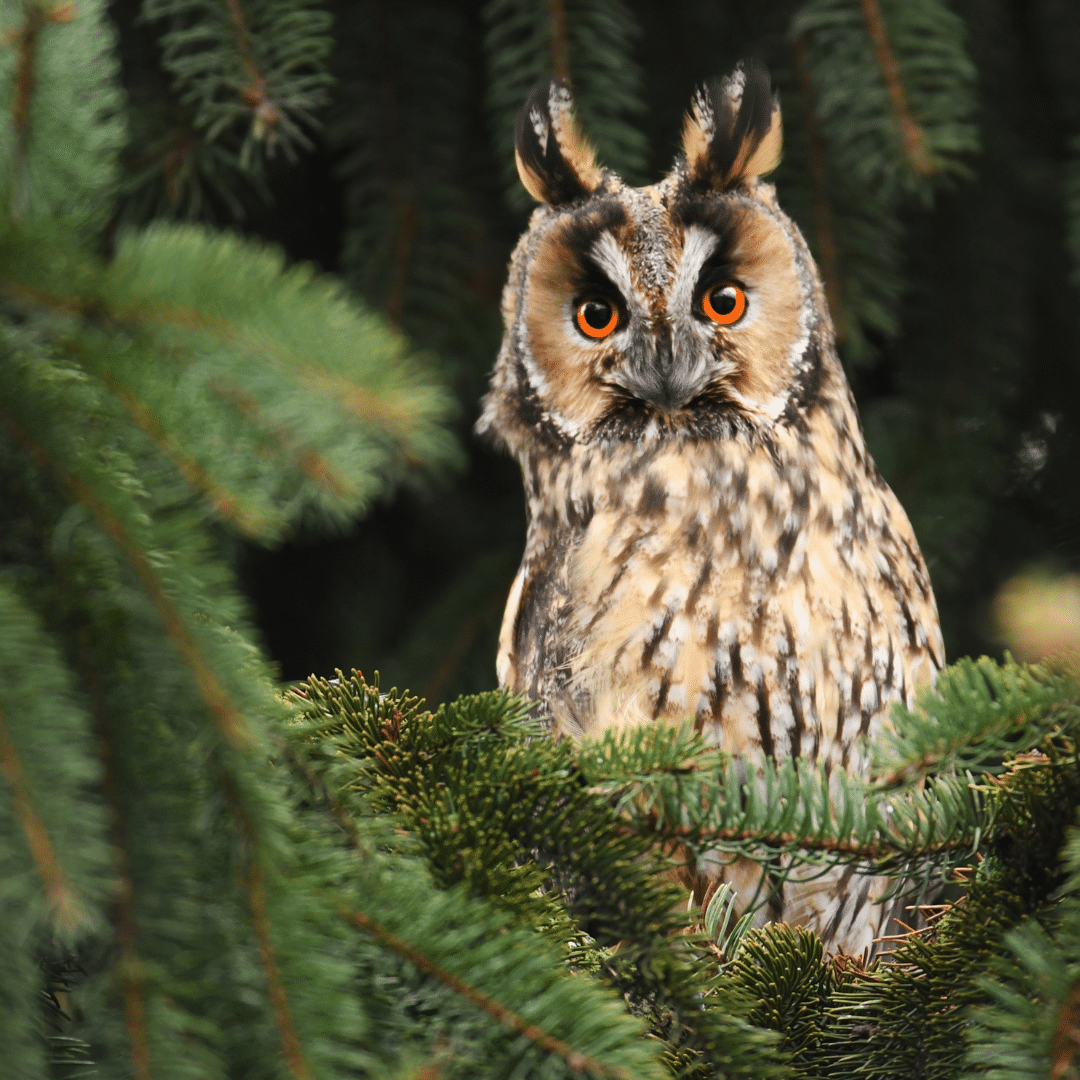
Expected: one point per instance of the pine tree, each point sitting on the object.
(207, 872)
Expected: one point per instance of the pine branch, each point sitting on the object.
(254, 880)
(58, 156)
(234, 727)
(1029, 1025)
(889, 95)
(130, 966)
(215, 313)
(575, 1061)
(259, 61)
(225, 503)
(531, 819)
(36, 706)
(895, 90)
(417, 244)
(671, 787)
(61, 900)
(977, 712)
(914, 144)
(530, 40)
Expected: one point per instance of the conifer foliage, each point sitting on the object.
(209, 873)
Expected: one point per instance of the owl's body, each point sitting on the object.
(708, 538)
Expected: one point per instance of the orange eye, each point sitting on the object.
(725, 304)
(596, 317)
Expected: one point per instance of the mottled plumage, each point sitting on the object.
(708, 537)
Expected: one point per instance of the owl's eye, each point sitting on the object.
(724, 304)
(596, 317)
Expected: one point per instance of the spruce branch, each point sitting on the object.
(58, 152)
(1027, 1026)
(977, 713)
(342, 407)
(254, 882)
(590, 41)
(889, 100)
(261, 60)
(313, 464)
(232, 725)
(39, 710)
(62, 903)
(895, 90)
(914, 144)
(669, 786)
(575, 1061)
(531, 820)
(224, 502)
(129, 967)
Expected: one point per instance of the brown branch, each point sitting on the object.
(807, 843)
(359, 400)
(255, 886)
(232, 725)
(1066, 1036)
(26, 40)
(290, 1041)
(224, 502)
(914, 143)
(576, 1062)
(560, 40)
(60, 896)
(311, 462)
(828, 257)
(255, 93)
(130, 966)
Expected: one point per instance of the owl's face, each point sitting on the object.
(686, 308)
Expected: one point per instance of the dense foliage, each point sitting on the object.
(207, 873)
(932, 169)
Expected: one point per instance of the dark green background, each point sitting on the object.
(972, 408)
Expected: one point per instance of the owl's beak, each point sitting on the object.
(663, 376)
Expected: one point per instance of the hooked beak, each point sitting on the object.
(660, 373)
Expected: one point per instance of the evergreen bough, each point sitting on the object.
(206, 873)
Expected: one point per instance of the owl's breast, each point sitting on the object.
(778, 606)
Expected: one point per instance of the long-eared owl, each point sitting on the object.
(708, 537)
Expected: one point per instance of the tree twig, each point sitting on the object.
(914, 143)
(576, 1062)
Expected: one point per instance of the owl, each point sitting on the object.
(708, 538)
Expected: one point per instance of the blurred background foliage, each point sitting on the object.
(932, 160)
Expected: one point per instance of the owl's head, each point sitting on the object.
(687, 309)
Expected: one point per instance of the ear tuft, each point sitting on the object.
(733, 132)
(554, 159)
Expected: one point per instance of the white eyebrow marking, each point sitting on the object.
(698, 245)
(613, 261)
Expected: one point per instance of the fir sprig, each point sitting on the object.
(256, 64)
(244, 343)
(65, 120)
(976, 713)
(589, 41)
(501, 808)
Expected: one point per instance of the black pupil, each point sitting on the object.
(723, 300)
(597, 313)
